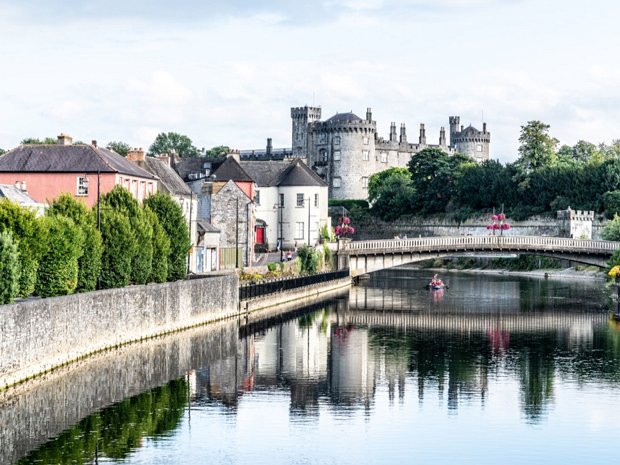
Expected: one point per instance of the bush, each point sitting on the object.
(271, 266)
(611, 231)
(58, 267)
(170, 216)
(118, 247)
(9, 268)
(349, 203)
(161, 248)
(308, 260)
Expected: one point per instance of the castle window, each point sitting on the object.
(364, 182)
(383, 157)
(323, 155)
(365, 155)
(336, 140)
(336, 182)
(366, 141)
(336, 155)
(479, 148)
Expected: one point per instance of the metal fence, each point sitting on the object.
(251, 290)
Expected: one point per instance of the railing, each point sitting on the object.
(251, 290)
(429, 244)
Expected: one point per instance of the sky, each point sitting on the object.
(227, 72)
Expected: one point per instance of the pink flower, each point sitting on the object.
(494, 218)
(501, 217)
(505, 226)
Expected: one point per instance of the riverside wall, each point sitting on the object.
(40, 335)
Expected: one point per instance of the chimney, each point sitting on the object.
(442, 136)
(17, 185)
(484, 127)
(369, 115)
(24, 188)
(135, 154)
(393, 132)
(94, 143)
(235, 154)
(269, 146)
(64, 139)
(165, 159)
(403, 133)
(422, 134)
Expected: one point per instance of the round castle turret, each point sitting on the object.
(340, 150)
(470, 140)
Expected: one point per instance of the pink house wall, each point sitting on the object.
(45, 187)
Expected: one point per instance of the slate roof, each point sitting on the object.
(168, 178)
(343, 118)
(470, 130)
(299, 174)
(9, 191)
(265, 173)
(186, 166)
(68, 159)
(231, 170)
(207, 227)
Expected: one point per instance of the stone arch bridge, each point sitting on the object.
(368, 256)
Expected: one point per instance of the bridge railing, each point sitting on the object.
(422, 244)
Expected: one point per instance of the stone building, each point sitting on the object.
(345, 150)
(576, 224)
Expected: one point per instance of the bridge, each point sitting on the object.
(368, 256)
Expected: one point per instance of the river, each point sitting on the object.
(493, 369)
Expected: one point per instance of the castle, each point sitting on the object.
(346, 150)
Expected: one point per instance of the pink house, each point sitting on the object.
(46, 171)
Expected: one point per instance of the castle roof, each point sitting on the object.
(79, 158)
(470, 131)
(344, 118)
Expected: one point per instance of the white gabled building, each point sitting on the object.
(291, 203)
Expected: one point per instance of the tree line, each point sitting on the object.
(66, 250)
(541, 181)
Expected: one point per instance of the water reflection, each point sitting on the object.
(483, 346)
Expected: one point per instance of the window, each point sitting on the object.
(82, 185)
(299, 230)
(336, 140)
(366, 140)
(365, 155)
(323, 155)
(383, 157)
(336, 182)
(316, 200)
(257, 197)
(336, 155)
(365, 182)
(479, 148)
(282, 200)
(300, 200)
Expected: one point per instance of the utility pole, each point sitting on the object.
(237, 236)
(308, 221)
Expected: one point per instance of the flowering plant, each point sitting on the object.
(344, 227)
(498, 223)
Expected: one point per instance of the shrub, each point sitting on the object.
(118, 247)
(31, 241)
(161, 249)
(328, 257)
(9, 268)
(308, 260)
(170, 216)
(611, 231)
(58, 267)
(271, 266)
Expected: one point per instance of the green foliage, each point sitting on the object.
(218, 151)
(537, 147)
(122, 201)
(171, 218)
(327, 233)
(394, 197)
(9, 268)
(31, 240)
(118, 249)
(89, 263)
(378, 179)
(328, 258)
(309, 260)
(172, 142)
(35, 141)
(271, 266)
(2, 151)
(611, 231)
(122, 148)
(58, 267)
(349, 204)
(615, 259)
(161, 248)
(611, 202)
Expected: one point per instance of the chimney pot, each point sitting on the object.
(94, 143)
(64, 139)
(135, 154)
(24, 188)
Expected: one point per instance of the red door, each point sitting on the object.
(260, 234)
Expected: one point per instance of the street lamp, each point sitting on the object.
(280, 206)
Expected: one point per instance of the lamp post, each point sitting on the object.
(280, 206)
(237, 235)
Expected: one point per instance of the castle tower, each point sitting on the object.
(470, 140)
(301, 118)
(442, 137)
(369, 115)
(454, 127)
(393, 132)
(403, 134)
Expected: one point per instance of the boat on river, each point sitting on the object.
(436, 284)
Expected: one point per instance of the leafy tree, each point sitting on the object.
(31, 240)
(435, 174)
(35, 141)
(118, 249)
(9, 268)
(172, 142)
(2, 152)
(611, 231)
(119, 147)
(611, 201)
(161, 248)
(537, 147)
(309, 259)
(394, 197)
(171, 218)
(123, 202)
(218, 151)
(89, 264)
(58, 267)
(377, 180)
(483, 186)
